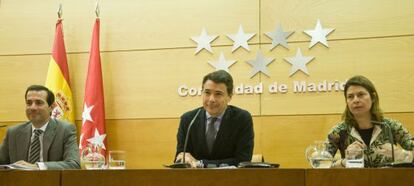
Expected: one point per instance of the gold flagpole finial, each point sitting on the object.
(97, 11)
(59, 12)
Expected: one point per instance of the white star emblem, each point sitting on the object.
(279, 37)
(222, 64)
(319, 34)
(86, 114)
(240, 39)
(259, 64)
(203, 41)
(97, 139)
(299, 63)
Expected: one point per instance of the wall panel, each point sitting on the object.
(352, 19)
(144, 84)
(17, 73)
(386, 61)
(125, 25)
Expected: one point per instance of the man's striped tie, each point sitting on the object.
(34, 155)
(211, 134)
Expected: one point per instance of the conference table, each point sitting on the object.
(210, 177)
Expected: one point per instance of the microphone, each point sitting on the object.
(389, 133)
(183, 164)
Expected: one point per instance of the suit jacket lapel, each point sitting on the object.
(224, 126)
(23, 142)
(48, 138)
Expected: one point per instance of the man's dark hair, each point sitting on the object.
(50, 96)
(221, 76)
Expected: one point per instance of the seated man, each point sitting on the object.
(42, 142)
(221, 134)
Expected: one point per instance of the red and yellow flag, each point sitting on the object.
(57, 79)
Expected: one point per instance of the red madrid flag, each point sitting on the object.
(93, 116)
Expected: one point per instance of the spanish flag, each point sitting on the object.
(57, 79)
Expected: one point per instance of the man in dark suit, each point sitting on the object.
(221, 134)
(42, 142)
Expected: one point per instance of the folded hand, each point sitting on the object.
(188, 159)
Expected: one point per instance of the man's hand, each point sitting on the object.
(26, 164)
(188, 159)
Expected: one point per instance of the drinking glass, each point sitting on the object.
(354, 158)
(116, 160)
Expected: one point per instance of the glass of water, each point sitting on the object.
(354, 158)
(116, 160)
